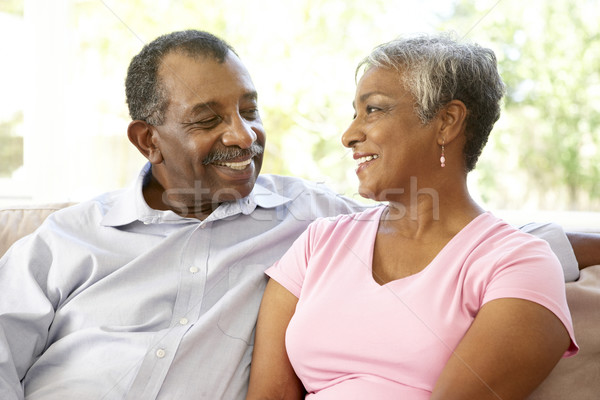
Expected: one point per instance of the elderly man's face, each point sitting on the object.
(212, 139)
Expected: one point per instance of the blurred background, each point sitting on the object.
(63, 116)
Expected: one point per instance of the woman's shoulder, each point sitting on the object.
(493, 238)
(350, 221)
(492, 228)
(327, 231)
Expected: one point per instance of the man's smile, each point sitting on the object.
(235, 165)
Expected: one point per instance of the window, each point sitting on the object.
(63, 116)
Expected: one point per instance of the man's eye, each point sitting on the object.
(371, 109)
(208, 123)
(250, 114)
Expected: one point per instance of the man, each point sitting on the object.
(152, 292)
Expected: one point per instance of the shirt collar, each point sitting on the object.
(131, 205)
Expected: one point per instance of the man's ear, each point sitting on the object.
(140, 133)
(453, 116)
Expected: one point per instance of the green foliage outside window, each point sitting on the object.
(542, 153)
(549, 134)
(11, 146)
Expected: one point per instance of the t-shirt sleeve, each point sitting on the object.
(532, 272)
(290, 270)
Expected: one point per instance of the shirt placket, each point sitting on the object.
(186, 310)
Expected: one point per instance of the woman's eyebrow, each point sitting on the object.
(365, 96)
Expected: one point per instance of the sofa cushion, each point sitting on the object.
(578, 377)
(16, 222)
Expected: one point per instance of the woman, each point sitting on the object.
(429, 296)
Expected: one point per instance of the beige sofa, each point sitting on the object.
(575, 378)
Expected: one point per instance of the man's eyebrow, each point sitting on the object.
(253, 95)
(210, 105)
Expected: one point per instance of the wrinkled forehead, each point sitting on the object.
(199, 77)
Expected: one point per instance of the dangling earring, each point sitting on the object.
(443, 157)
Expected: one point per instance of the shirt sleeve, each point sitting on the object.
(531, 272)
(560, 245)
(290, 270)
(25, 312)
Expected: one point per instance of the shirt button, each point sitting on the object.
(194, 270)
(160, 353)
(183, 321)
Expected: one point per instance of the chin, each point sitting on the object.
(367, 194)
(233, 193)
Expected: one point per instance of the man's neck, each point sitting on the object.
(185, 206)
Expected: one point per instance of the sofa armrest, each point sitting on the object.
(16, 222)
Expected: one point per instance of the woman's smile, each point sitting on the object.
(364, 160)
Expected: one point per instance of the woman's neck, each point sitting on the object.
(430, 211)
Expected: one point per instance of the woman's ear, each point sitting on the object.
(140, 133)
(453, 116)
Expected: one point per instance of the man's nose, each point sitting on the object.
(240, 133)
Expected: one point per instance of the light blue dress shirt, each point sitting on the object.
(111, 299)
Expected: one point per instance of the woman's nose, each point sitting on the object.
(352, 135)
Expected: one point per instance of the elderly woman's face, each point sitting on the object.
(387, 138)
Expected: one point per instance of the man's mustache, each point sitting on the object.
(233, 153)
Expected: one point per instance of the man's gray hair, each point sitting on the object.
(146, 97)
(439, 68)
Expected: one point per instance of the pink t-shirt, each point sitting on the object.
(351, 338)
